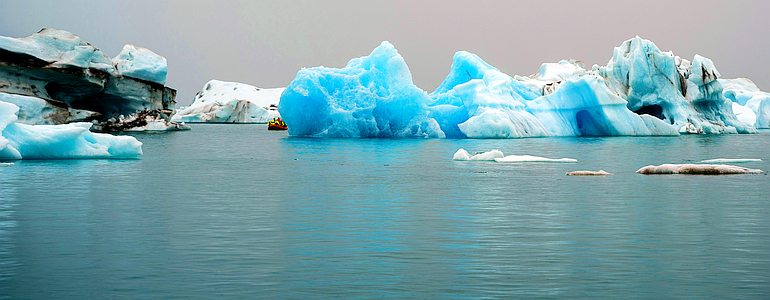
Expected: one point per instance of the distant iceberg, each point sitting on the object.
(641, 92)
(21, 141)
(231, 102)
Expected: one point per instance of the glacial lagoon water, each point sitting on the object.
(237, 212)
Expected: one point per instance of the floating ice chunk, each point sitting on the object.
(20, 141)
(461, 155)
(589, 173)
(373, 96)
(730, 160)
(6, 164)
(529, 158)
(141, 63)
(486, 156)
(231, 102)
(696, 169)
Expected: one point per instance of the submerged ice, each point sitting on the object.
(641, 91)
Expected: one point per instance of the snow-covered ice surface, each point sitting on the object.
(21, 141)
(231, 102)
(642, 91)
(589, 173)
(697, 169)
(730, 160)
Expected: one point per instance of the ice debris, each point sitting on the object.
(231, 102)
(641, 91)
(589, 173)
(697, 169)
(21, 141)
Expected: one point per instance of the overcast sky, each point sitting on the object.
(265, 43)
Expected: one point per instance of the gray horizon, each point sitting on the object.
(264, 44)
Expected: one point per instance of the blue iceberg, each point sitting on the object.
(642, 91)
(21, 141)
(373, 96)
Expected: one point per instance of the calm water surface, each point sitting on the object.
(235, 211)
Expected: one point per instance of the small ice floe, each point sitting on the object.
(530, 158)
(730, 160)
(697, 169)
(498, 156)
(6, 164)
(589, 173)
(486, 156)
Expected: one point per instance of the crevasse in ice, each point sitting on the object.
(641, 91)
(21, 141)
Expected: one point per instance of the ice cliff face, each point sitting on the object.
(59, 73)
(231, 102)
(641, 91)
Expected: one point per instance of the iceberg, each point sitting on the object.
(694, 169)
(373, 96)
(64, 79)
(231, 102)
(642, 91)
(21, 141)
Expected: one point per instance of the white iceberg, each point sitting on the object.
(231, 102)
(21, 141)
(696, 169)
